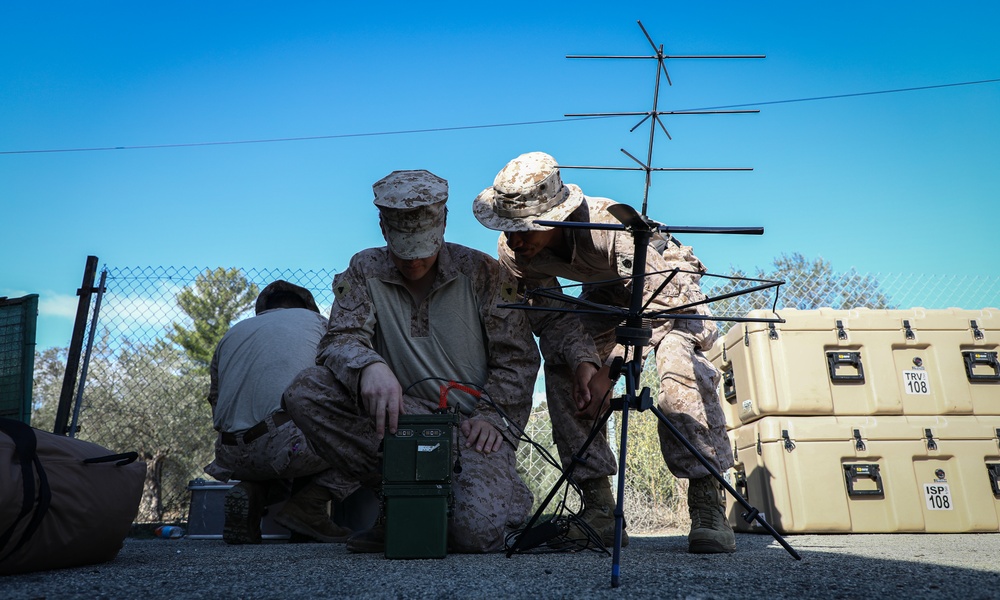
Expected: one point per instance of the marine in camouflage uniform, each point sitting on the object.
(427, 325)
(258, 443)
(530, 188)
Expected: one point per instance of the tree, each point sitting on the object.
(50, 368)
(150, 397)
(170, 425)
(215, 300)
(142, 397)
(809, 284)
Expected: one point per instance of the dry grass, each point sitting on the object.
(655, 501)
(648, 516)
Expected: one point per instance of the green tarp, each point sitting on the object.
(17, 355)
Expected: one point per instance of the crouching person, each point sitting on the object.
(407, 318)
(258, 443)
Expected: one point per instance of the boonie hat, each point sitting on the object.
(412, 205)
(527, 189)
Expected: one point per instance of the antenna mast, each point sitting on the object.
(654, 115)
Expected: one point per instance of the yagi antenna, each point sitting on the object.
(635, 329)
(654, 115)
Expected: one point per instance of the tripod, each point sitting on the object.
(634, 334)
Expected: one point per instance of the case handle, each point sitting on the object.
(870, 471)
(835, 360)
(993, 469)
(729, 385)
(973, 358)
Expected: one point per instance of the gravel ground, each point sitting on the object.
(911, 566)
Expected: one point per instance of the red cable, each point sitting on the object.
(443, 400)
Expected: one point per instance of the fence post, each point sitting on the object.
(86, 357)
(75, 347)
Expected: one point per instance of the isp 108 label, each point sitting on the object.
(938, 496)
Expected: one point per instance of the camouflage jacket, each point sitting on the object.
(511, 357)
(602, 261)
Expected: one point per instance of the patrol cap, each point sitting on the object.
(279, 287)
(527, 189)
(412, 206)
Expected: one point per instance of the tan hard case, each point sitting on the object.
(860, 362)
(869, 474)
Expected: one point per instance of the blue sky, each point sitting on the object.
(887, 183)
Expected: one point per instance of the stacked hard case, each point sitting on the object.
(865, 420)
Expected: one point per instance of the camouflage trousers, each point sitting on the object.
(491, 500)
(688, 397)
(283, 453)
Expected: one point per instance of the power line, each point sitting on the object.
(837, 96)
(468, 127)
(285, 139)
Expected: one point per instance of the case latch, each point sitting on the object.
(741, 482)
(841, 333)
(859, 443)
(929, 436)
(909, 332)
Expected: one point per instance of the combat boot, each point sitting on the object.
(306, 513)
(369, 540)
(598, 512)
(243, 507)
(710, 529)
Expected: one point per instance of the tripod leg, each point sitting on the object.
(632, 371)
(526, 541)
(620, 502)
(752, 513)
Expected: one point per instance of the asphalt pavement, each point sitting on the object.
(911, 566)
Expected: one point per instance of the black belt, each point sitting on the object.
(273, 421)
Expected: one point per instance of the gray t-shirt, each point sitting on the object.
(257, 359)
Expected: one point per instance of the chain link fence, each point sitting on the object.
(143, 392)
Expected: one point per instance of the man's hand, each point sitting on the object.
(599, 392)
(581, 384)
(382, 396)
(481, 434)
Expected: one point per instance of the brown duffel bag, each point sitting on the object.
(63, 502)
